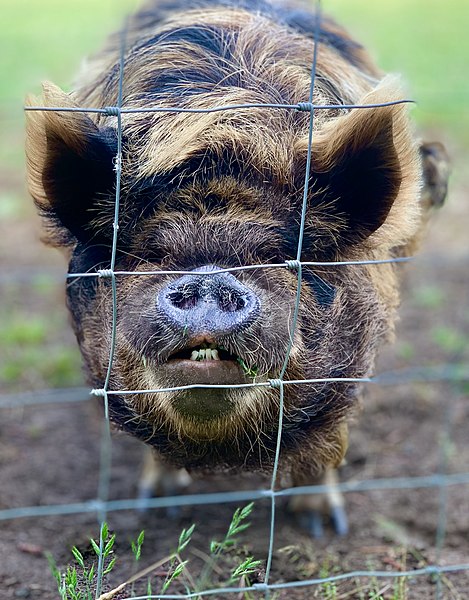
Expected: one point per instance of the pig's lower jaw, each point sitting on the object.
(232, 429)
(204, 404)
(198, 411)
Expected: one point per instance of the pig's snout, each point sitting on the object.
(217, 304)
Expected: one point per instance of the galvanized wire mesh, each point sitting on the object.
(101, 505)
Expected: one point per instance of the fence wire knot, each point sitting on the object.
(112, 111)
(293, 265)
(305, 106)
(105, 272)
(260, 587)
(100, 392)
(117, 164)
(275, 383)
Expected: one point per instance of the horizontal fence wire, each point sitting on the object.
(21, 274)
(302, 107)
(102, 505)
(95, 505)
(431, 570)
(288, 264)
(451, 372)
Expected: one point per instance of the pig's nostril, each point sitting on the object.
(183, 300)
(187, 298)
(230, 301)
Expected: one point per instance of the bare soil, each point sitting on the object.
(49, 454)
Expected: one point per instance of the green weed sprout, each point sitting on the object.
(236, 526)
(77, 584)
(248, 566)
(329, 588)
(137, 546)
(176, 564)
(137, 551)
(249, 371)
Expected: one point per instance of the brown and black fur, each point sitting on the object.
(225, 189)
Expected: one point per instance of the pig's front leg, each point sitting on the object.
(311, 509)
(158, 479)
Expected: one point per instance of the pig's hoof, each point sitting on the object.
(339, 520)
(313, 521)
(314, 509)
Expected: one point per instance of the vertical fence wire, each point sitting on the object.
(294, 320)
(106, 450)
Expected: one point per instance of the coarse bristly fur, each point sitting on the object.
(225, 189)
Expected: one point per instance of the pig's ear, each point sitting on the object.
(367, 164)
(70, 166)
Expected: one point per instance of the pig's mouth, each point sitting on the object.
(208, 363)
(204, 353)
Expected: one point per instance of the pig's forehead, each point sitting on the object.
(203, 65)
(230, 55)
(220, 56)
(254, 36)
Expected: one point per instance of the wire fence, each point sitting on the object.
(102, 505)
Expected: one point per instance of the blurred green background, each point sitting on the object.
(425, 40)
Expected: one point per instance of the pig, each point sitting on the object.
(205, 192)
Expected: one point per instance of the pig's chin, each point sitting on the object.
(203, 403)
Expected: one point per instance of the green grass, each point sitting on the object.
(34, 340)
(49, 39)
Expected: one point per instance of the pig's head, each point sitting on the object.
(204, 192)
